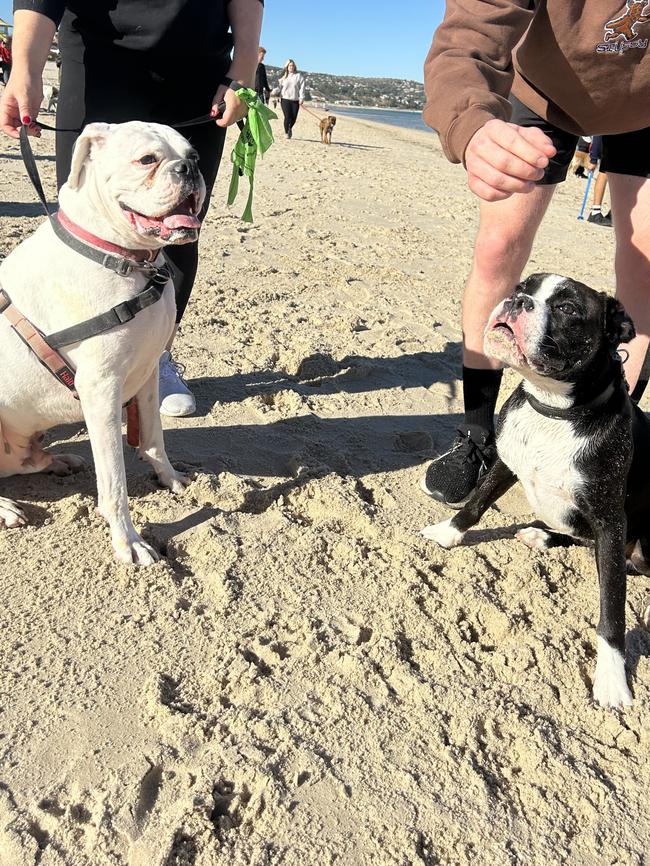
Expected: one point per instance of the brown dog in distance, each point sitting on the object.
(327, 124)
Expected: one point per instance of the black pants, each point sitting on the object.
(623, 153)
(118, 89)
(290, 109)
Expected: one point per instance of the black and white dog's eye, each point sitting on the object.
(147, 159)
(568, 309)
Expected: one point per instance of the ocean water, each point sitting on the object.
(407, 119)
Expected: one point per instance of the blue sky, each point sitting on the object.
(346, 37)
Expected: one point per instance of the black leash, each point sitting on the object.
(195, 121)
(32, 170)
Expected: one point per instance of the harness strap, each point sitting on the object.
(117, 315)
(38, 343)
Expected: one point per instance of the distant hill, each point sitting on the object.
(348, 89)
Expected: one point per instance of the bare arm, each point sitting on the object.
(246, 23)
(32, 40)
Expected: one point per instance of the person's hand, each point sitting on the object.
(235, 109)
(592, 166)
(20, 103)
(503, 158)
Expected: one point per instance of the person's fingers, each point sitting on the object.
(20, 106)
(484, 191)
(535, 150)
(10, 121)
(505, 161)
(235, 109)
(218, 99)
(497, 179)
(538, 139)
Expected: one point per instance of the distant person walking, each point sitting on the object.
(292, 95)
(5, 59)
(261, 81)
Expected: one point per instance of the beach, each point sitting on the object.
(303, 679)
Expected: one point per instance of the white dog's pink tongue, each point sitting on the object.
(182, 221)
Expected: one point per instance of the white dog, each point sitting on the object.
(50, 97)
(135, 186)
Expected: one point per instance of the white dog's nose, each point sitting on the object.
(183, 166)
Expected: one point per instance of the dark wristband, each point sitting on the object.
(229, 82)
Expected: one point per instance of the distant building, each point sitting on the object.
(5, 29)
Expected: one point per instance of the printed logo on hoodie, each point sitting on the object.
(620, 33)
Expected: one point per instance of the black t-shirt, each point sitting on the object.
(180, 31)
(261, 81)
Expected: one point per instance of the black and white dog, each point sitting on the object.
(579, 446)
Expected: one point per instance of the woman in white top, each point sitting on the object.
(292, 93)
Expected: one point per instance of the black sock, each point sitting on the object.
(480, 392)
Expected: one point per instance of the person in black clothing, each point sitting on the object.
(261, 81)
(115, 67)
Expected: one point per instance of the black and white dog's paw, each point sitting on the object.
(444, 533)
(610, 684)
(533, 537)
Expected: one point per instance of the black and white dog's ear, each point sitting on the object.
(619, 327)
(92, 136)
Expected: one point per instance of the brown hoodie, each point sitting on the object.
(584, 65)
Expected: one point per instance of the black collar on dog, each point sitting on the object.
(575, 411)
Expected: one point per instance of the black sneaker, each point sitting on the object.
(600, 219)
(452, 477)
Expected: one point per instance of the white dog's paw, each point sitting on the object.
(66, 464)
(11, 514)
(533, 537)
(443, 534)
(610, 684)
(136, 552)
(176, 481)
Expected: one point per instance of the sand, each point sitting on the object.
(303, 679)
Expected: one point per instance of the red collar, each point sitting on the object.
(107, 246)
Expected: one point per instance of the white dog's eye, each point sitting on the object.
(148, 159)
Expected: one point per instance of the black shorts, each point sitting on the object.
(625, 153)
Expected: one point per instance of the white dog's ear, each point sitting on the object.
(92, 137)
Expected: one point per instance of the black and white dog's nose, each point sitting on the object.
(524, 302)
(520, 302)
